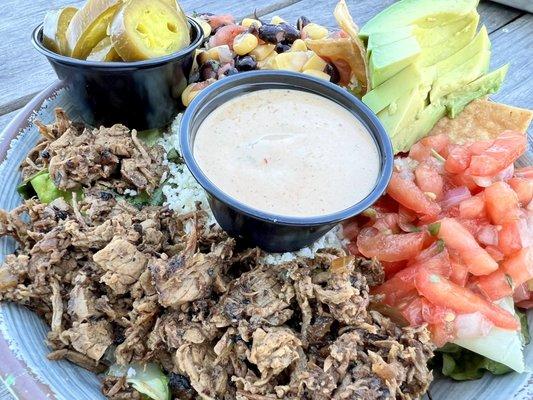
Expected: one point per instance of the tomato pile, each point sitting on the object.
(454, 234)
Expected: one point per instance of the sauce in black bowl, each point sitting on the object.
(141, 94)
(277, 233)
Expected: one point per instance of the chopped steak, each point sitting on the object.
(123, 264)
(78, 157)
(141, 285)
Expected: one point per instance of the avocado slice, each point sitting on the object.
(487, 84)
(423, 123)
(392, 89)
(379, 39)
(403, 111)
(461, 75)
(479, 43)
(386, 61)
(425, 37)
(423, 13)
(433, 54)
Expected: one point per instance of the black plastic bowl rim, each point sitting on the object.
(297, 81)
(195, 28)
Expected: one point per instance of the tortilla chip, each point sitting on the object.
(483, 120)
(345, 52)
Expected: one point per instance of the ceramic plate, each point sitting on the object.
(24, 368)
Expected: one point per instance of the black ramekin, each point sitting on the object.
(271, 232)
(141, 94)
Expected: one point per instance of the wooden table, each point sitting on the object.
(23, 72)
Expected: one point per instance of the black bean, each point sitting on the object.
(332, 71)
(291, 33)
(271, 33)
(302, 22)
(231, 71)
(282, 48)
(209, 70)
(245, 63)
(45, 154)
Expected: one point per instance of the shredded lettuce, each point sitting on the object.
(147, 379)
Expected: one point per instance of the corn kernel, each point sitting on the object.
(244, 43)
(189, 94)
(269, 62)
(314, 31)
(206, 28)
(317, 74)
(291, 61)
(315, 62)
(248, 22)
(262, 51)
(212, 54)
(276, 20)
(298, 45)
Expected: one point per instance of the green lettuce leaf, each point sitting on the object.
(147, 379)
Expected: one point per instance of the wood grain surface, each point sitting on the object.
(24, 72)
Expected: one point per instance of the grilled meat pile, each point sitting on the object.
(127, 284)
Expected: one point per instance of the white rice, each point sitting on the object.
(183, 194)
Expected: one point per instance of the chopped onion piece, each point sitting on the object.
(472, 325)
(455, 196)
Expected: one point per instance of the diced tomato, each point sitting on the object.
(398, 287)
(225, 35)
(406, 219)
(350, 230)
(521, 293)
(458, 159)
(392, 268)
(514, 272)
(472, 208)
(495, 253)
(353, 249)
(509, 240)
(465, 180)
(459, 271)
(442, 292)
(419, 152)
(502, 203)
(504, 151)
(495, 286)
(409, 195)
(523, 188)
(457, 238)
(386, 204)
(412, 311)
(439, 143)
(429, 180)
(394, 247)
(435, 259)
(387, 223)
(525, 172)
(519, 266)
(442, 333)
(478, 148)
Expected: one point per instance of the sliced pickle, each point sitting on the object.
(104, 51)
(89, 26)
(145, 29)
(55, 28)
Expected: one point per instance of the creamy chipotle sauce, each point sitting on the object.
(288, 152)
